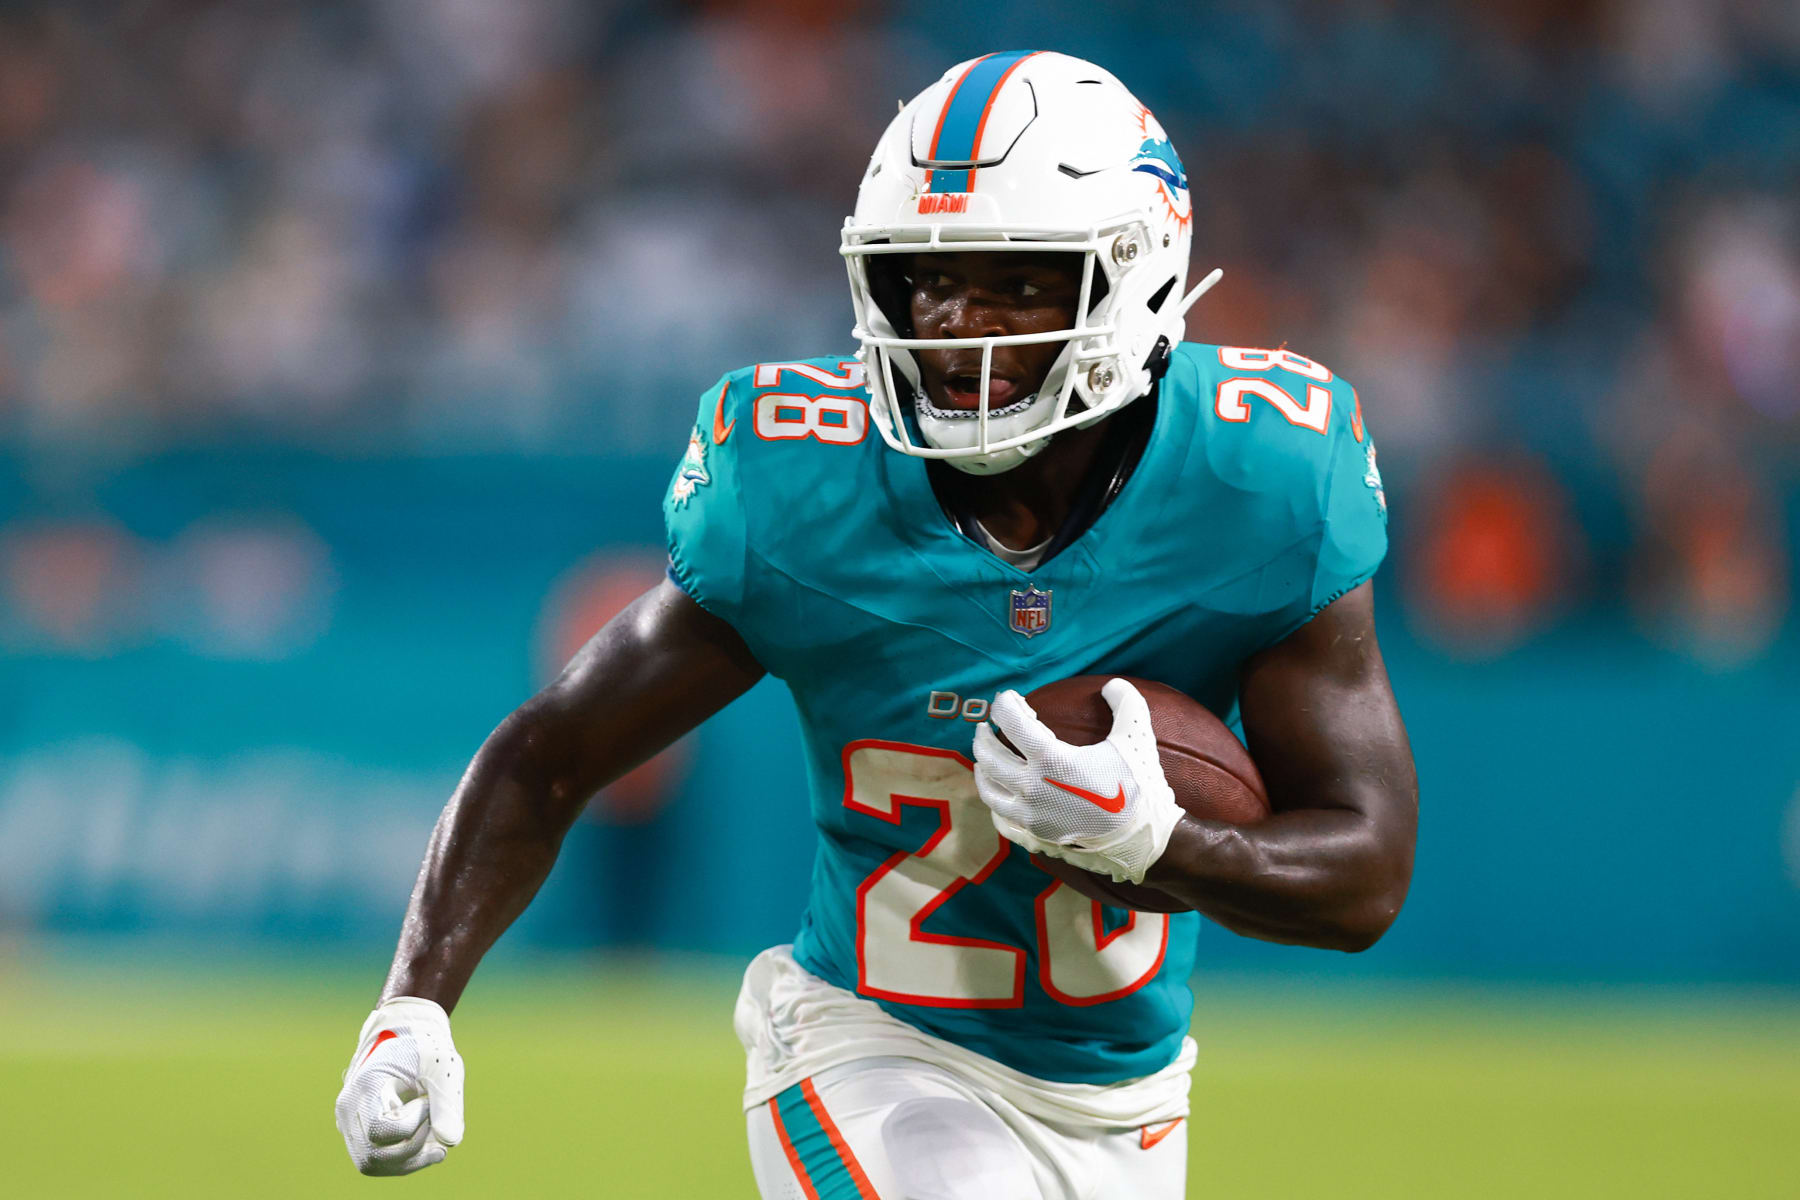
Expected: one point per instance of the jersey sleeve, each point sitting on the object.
(1298, 462)
(1353, 536)
(703, 512)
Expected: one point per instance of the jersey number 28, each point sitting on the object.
(1079, 960)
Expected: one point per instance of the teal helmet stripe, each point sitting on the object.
(960, 123)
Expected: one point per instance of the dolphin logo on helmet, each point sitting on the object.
(1157, 157)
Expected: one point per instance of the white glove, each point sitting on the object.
(1105, 808)
(402, 1104)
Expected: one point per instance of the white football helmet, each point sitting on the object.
(1023, 151)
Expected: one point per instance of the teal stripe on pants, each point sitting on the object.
(828, 1172)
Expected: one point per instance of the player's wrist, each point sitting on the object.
(1165, 813)
(1128, 857)
(1154, 817)
(414, 1006)
(405, 1010)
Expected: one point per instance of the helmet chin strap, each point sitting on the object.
(950, 430)
(947, 430)
(964, 429)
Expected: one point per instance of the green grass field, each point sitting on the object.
(622, 1082)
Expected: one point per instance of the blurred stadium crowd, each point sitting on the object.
(1556, 244)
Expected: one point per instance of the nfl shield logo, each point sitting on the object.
(1030, 611)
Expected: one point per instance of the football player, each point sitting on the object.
(1023, 475)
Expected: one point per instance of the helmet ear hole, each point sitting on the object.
(1162, 293)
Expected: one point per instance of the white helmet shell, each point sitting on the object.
(1025, 151)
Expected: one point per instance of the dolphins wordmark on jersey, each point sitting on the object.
(1255, 504)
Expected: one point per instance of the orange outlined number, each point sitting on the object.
(1246, 358)
(1093, 965)
(896, 959)
(1079, 962)
(837, 420)
(1232, 401)
(1315, 414)
(848, 376)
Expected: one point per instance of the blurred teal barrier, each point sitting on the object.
(238, 687)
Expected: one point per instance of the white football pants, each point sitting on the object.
(904, 1129)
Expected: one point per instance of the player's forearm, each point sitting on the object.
(492, 848)
(1325, 878)
(654, 672)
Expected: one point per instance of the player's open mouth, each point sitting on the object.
(963, 391)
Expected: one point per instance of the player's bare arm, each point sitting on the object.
(1331, 866)
(652, 673)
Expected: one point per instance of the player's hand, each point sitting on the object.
(402, 1104)
(1105, 808)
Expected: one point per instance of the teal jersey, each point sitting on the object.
(1256, 503)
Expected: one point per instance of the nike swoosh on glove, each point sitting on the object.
(1105, 808)
(401, 1108)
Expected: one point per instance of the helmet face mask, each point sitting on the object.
(1062, 158)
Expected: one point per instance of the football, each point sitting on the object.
(1211, 772)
